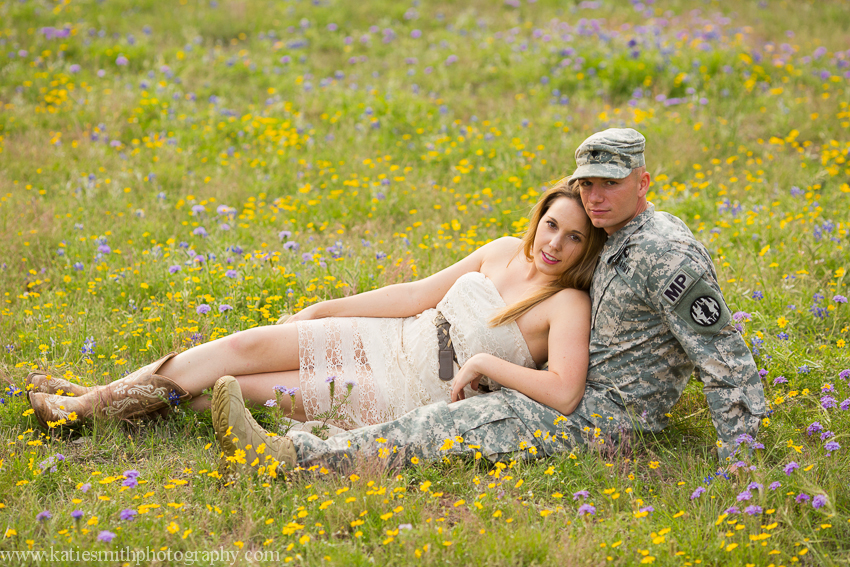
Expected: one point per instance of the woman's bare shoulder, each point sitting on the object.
(502, 248)
(570, 298)
(505, 242)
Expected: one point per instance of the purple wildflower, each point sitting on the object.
(827, 402)
(77, 514)
(174, 269)
(819, 501)
(105, 536)
(224, 307)
(845, 405)
(285, 391)
(104, 249)
(200, 231)
(291, 245)
(122, 61)
(284, 234)
(42, 516)
(753, 510)
(775, 485)
(844, 374)
(790, 467)
(839, 299)
(802, 497)
(584, 494)
(128, 514)
(202, 309)
(270, 403)
(780, 380)
(744, 438)
(741, 316)
(231, 273)
(831, 446)
(130, 482)
(745, 495)
(732, 510)
(815, 427)
(132, 473)
(330, 379)
(755, 486)
(762, 373)
(586, 509)
(826, 435)
(697, 493)
(85, 487)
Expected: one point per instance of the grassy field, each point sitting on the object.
(255, 157)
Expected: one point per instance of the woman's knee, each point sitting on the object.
(248, 344)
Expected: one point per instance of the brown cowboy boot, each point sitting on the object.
(244, 444)
(140, 393)
(46, 384)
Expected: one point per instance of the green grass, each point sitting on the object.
(386, 162)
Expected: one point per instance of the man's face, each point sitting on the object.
(612, 203)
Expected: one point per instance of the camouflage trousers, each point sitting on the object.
(500, 425)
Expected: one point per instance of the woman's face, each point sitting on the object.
(561, 237)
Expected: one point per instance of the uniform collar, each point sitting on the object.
(617, 241)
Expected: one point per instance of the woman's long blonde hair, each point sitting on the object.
(578, 276)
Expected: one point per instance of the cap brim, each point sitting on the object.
(605, 170)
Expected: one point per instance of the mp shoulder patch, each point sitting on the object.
(679, 285)
(702, 308)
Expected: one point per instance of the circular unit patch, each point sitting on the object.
(705, 311)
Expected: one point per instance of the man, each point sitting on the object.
(657, 312)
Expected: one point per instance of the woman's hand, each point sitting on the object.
(468, 374)
(306, 314)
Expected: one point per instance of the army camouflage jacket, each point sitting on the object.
(657, 312)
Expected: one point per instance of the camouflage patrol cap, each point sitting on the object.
(612, 153)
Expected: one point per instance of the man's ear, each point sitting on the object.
(644, 184)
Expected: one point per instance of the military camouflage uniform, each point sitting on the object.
(657, 312)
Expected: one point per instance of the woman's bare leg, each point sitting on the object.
(258, 388)
(261, 350)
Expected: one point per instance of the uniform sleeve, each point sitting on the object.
(686, 293)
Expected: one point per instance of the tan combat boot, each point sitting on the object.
(46, 384)
(137, 394)
(244, 444)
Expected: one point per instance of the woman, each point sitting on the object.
(510, 306)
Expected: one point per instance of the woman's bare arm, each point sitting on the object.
(406, 299)
(562, 385)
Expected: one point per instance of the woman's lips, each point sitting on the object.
(548, 259)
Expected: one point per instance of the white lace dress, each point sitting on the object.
(394, 362)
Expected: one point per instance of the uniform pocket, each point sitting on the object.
(487, 423)
(608, 320)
